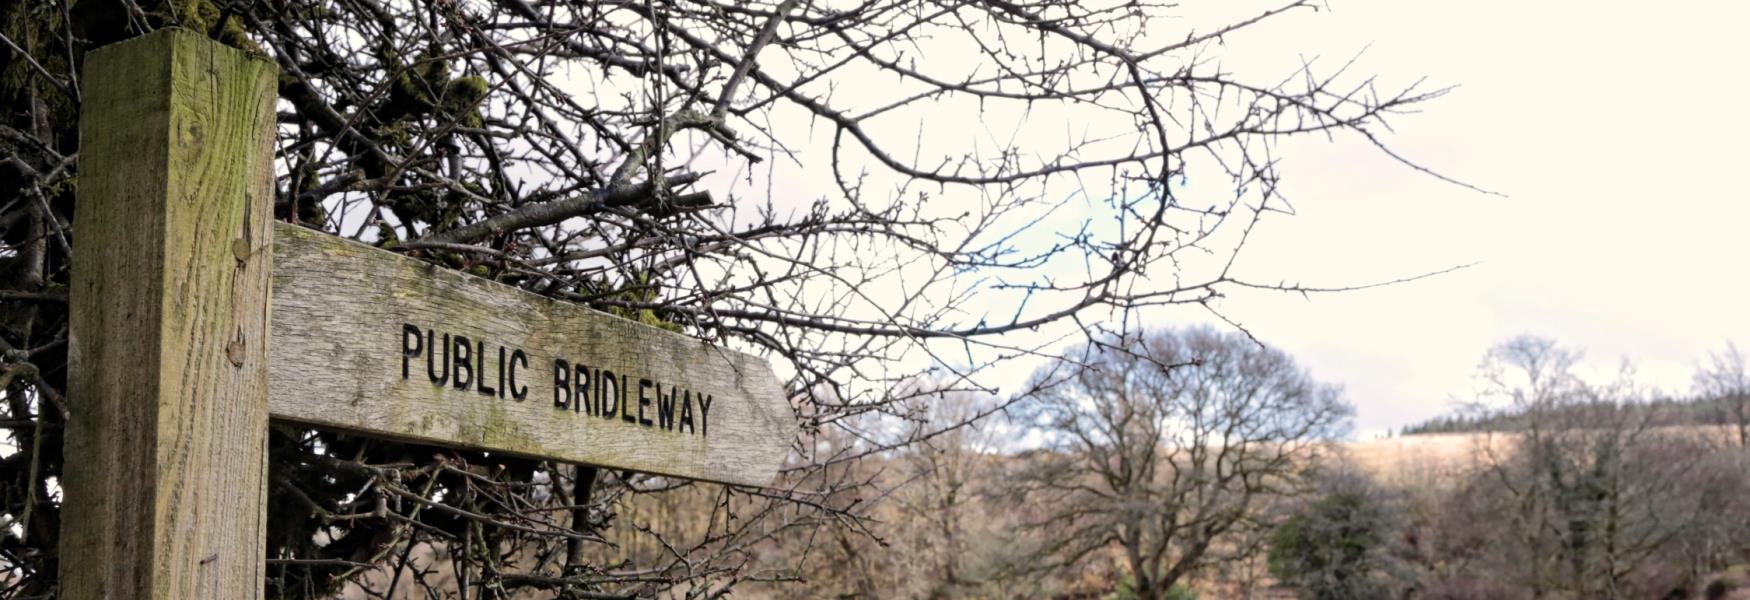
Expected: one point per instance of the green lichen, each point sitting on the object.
(37, 27)
(386, 233)
(395, 133)
(209, 17)
(465, 91)
(462, 97)
(416, 88)
(641, 289)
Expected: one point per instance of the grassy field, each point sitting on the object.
(1409, 458)
(1405, 459)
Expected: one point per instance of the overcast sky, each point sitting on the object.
(1609, 129)
(1613, 130)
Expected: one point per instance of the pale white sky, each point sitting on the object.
(1611, 127)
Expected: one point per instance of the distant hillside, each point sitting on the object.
(1665, 412)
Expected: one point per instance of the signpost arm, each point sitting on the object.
(166, 453)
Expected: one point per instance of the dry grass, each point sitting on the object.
(1413, 458)
(1408, 459)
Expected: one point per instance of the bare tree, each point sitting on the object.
(1163, 448)
(1531, 376)
(1596, 494)
(947, 527)
(1725, 378)
(638, 157)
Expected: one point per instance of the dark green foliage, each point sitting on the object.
(1179, 591)
(1334, 547)
(1659, 412)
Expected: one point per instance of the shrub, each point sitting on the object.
(1332, 548)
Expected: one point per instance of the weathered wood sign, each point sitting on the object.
(368, 340)
(181, 353)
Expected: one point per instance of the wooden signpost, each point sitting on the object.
(195, 320)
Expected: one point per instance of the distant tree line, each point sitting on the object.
(1720, 398)
(1662, 411)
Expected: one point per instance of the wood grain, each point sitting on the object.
(340, 318)
(166, 449)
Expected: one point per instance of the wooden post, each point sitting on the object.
(165, 483)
